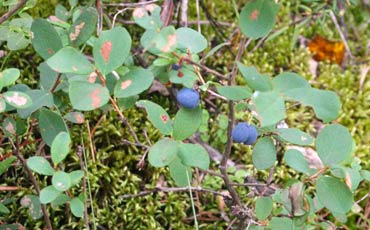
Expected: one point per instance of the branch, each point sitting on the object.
(168, 190)
(12, 11)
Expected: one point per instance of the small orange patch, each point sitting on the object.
(171, 41)
(324, 49)
(50, 51)
(10, 128)
(164, 118)
(74, 35)
(254, 15)
(139, 13)
(180, 74)
(92, 77)
(126, 84)
(105, 50)
(79, 118)
(96, 100)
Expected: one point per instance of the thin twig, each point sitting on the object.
(99, 9)
(201, 22)
(168, 190)
(363, 198)
(33, 180)
(12, 11)
(198, 15)
(340, 33)
(205, 68)
(184, 13)
(131, 4)
(82, 166)
(9, 188)
(56, 83)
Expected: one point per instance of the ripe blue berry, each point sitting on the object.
(244, 133)
(188, 98)
(252, 135)
(176, 66)
(240, 132)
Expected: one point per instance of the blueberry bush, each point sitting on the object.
(186, 137)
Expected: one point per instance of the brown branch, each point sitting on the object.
(12, 11)
(33, 180)
(168, 190)
(56, 83)
(131, 4)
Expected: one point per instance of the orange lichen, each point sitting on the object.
(324, 49)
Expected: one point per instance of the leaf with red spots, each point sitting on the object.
(84, 26)
(148, 17)
(257, 18)
(187, 76)
(70, 60)
(157, 115)
(45, 39)
(75, 117)
(87, 96)
(111, 49)
(134, 82)
(2, 105)
(164, 41)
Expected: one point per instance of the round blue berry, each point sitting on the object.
(188, 98)
(240, 132)
(252, 135)
(176, 66)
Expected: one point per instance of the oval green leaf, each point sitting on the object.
(190, 39)
(148, 17)
(77, 207)
(257, 18)
(288, 80)
(111, 49)
(9, 76)
(294, 136)
(50, 125)
(270, 107)
(33, 204)
(60, 147)
(234, 93)
(157, 115)
(76, 176)
(48, 194)
(134, 82)
(297, 161)
(18, 100)
(163, 152)
(263, 207)
(194, 155)
(183, 76)
(334, 194)
(61, 181)
(40, 165)
(84, 26)
(86, 96)
(186, 123)
(264, 153)
(75, 117)
(255, 80)
(178, 173)
(334, 144)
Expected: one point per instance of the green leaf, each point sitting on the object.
(18, 100)
(75, 117)
(269, 106)
(46, 40)
(157, 115)
(297, 161)
(70, 60)
(133, 83)
(39, 98)
(5, 164)
(148, 17)
(86, 96)
(183, 76)
(325, 103)
(4, 209)
(84, 26)
(279, 223)
(264, 153)
(8, 77)
(294, 136)
(161, 62)
(234, 93)
(334, 194)
(190, 39)
(61, 181)
(77, 207)
(263, 207)
(163, 42)
(194, 155)
(257, 18)
(334, 144)
(186, 123)
(76, 176)
(111, 49)
(178, 172)
(61, 199)
(33, 204)
(60, 147)
(288, 80)
(48, 194)
(50, 125)
(364, 173)
(48, 77)
(9, 127)
(215, 49)
(40, 165)
(2, 105)
(255, 80)
(163, 152)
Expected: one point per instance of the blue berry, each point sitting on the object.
(240, 132)
(244, 133)
(188, 98)
(176, 67)
(252, 135)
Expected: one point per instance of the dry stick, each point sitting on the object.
(201, 22)
(9, 188)
(208, 70)
(131, 4)
(82, 166)
(12, 11)
(33, 180)
(223, 167)
(184, 13)
(99, 9)
(167, 190)
(340, 33)
(198, 15)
